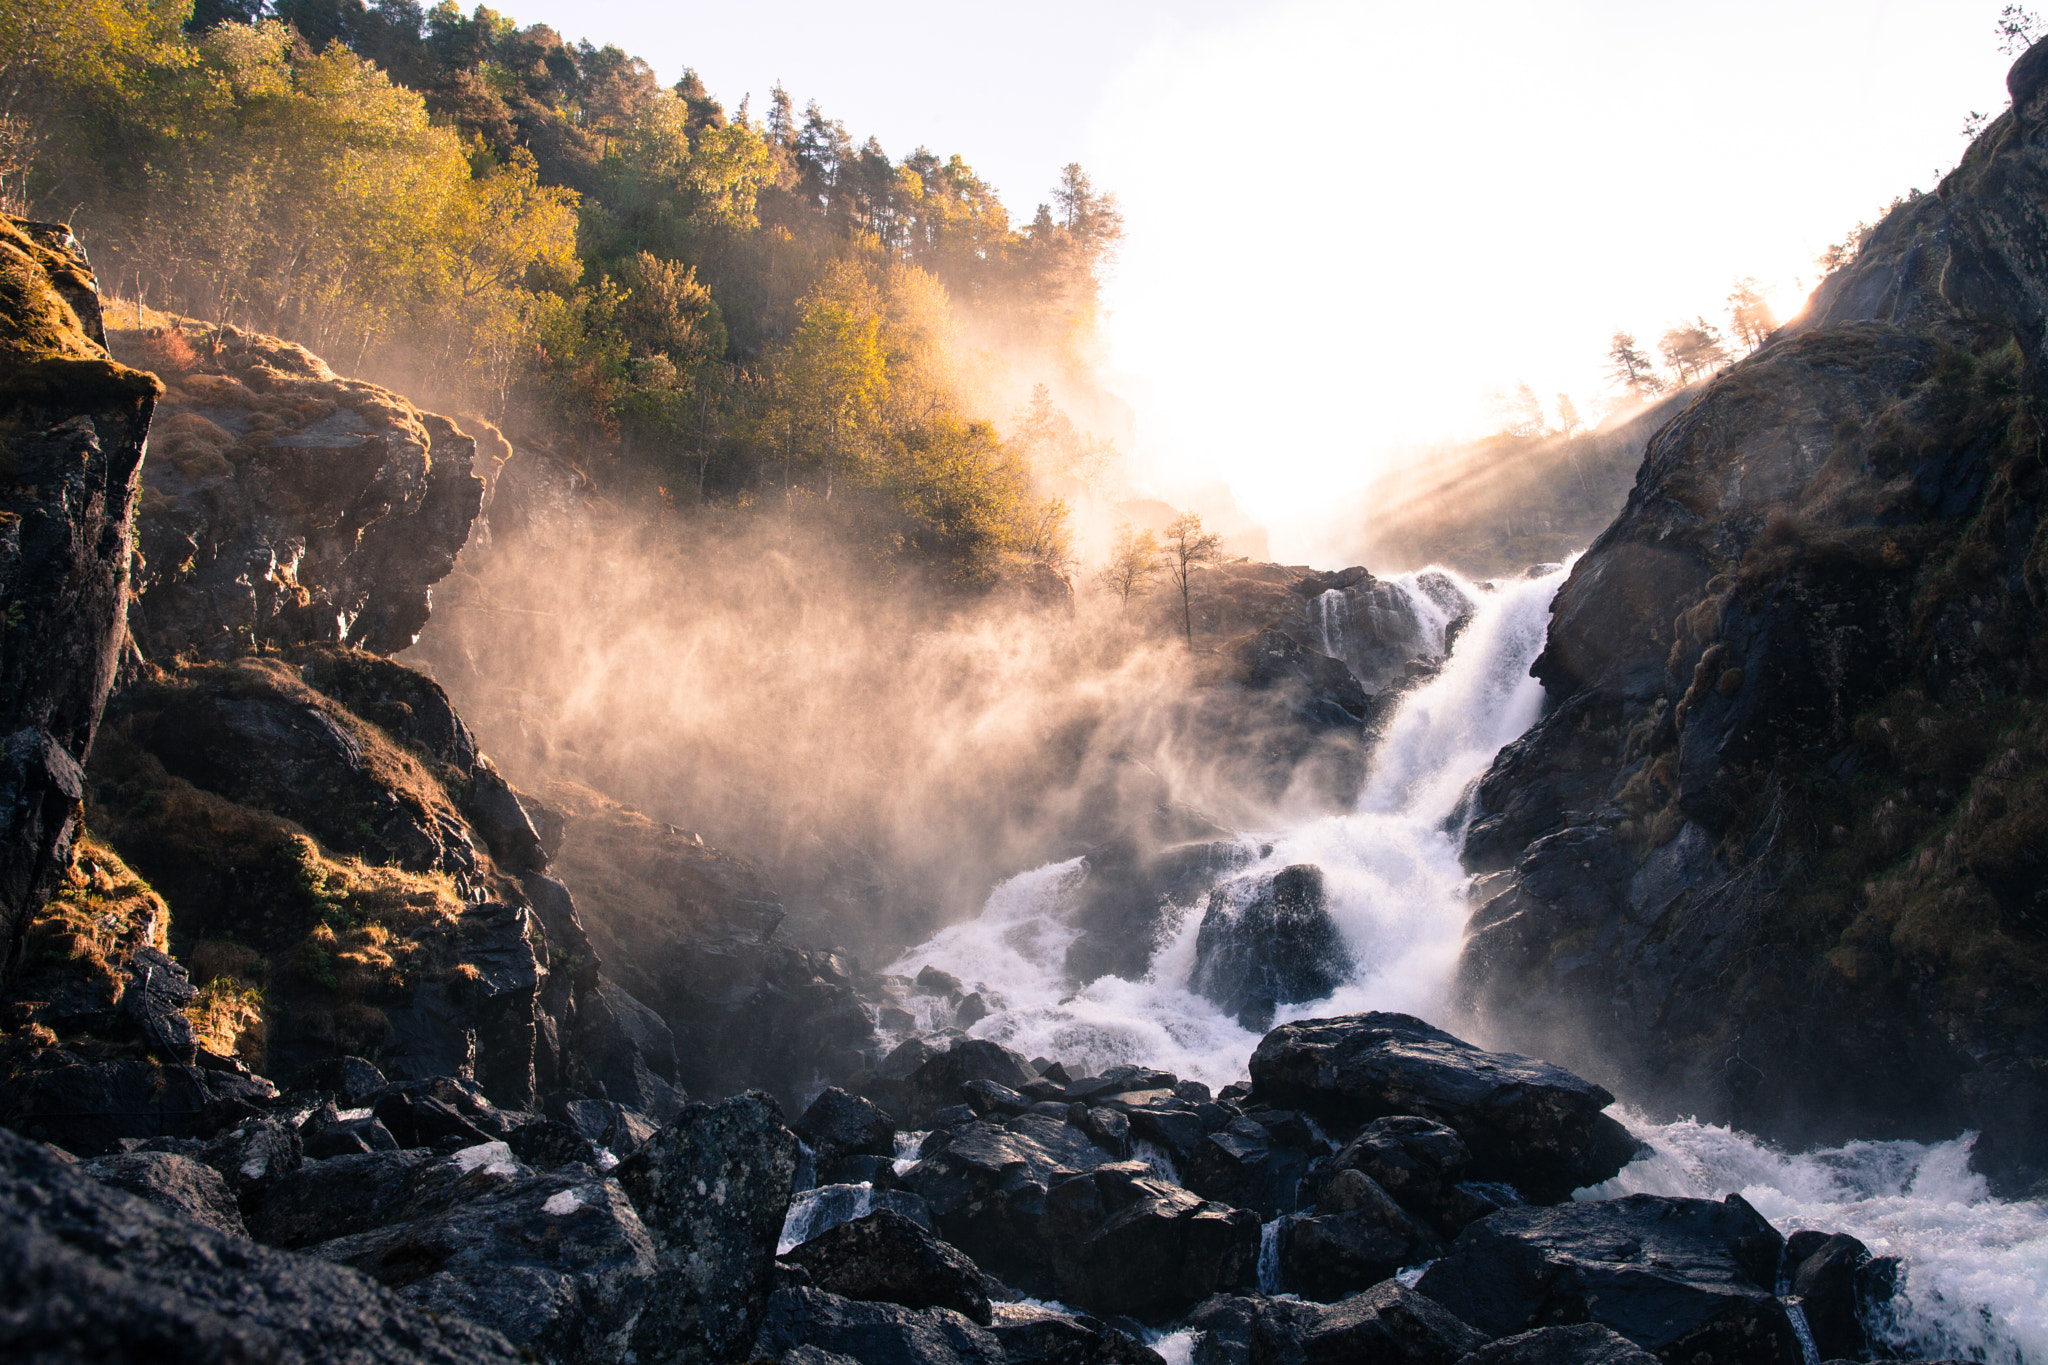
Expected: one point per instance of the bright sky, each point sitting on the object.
(1350, 223)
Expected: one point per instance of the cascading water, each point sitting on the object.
(1398, 893)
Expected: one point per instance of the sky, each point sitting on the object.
(1350, 224)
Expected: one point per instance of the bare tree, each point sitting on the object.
(1134, 561)
(1188, 547)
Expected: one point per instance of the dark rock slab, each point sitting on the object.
(1356, 1237)
(1685, 1279)
(799, 1321)
(1585, 1343)
(1388, 1323)
(712, 1188)
(87, 1108)
(1253, 1165)
(336, 1196)
(559, 1263)
(888, 1257)
(936, 1083)
(1120, 1240)
(1526, 1122)
(1422, 1164)
(1279, 947)
(89, 1274)
(349, 1079)
(1836, 1283)
(838, 1124)
(1034, 1335)
(173, 1182)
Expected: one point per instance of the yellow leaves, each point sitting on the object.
(726, 171)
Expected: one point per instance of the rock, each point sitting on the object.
(90, 1274)
(173, 1182)
(1321, 690)
(1421, 1164)
(1586, 1343)
(711, 1188)
(1279, 947)
(1835, 1283)
(1388, 1322)
(347, 1137)
(1035, 1335)
(1105, 1128)
(422, 1120)
(613, 1126)
(986, 1189)
(547, 1144)
(1682, 1278)
(886, 1256)
(1356, 1238)
(88, 1108)
(933, 981)
(1526, 1122)
(253, 1158)
(75, 422)
(1255, 1161)
(626, 1051)
(350, 1079)
(559, 1263)
(987, 1099)
(838, 1125)
(938, 1082)
(808, 1321)
(292, 506)
(970, 1011)
(337, 1196)
(1132, 880)
(158, 991)
(1119, 1240)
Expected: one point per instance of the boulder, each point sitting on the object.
(822, 1207)
(1421, 1163)
(838, 1124)
(1119, 1240)
(559, 1263)
(350, 1080)
(1525, 1122)
(1685, 1279)
(89, 1274)
(1256, 1161)
(1387, 1323)
(88, 1108)
(336, 1196)
(807, 1321)
(1269, 944)
(1356, 1237)
(1836, 1283)
(173, 1182)
(1032, 1334)
(937, 1083)
(1585, 1343)
(886, 1256)
(712, 1188)
(986, 1188)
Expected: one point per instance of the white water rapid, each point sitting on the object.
(1976, 1282)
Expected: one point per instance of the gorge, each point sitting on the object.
(448, 915)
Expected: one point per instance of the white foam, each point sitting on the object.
(1976, 1268)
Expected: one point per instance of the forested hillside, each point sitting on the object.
(724, 307)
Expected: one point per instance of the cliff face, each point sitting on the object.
(286, 505)
(72, 424)
(1781, 830)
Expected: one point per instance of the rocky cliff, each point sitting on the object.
(1781, 830)
(72, 425)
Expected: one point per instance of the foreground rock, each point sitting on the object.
(885, 1256)
(1389, 1322)
(74, 423)
(1280, 947)
(89, 1274)
(1685, 1279)
(711, 1188)
(870, 1333)
(1525, 1122)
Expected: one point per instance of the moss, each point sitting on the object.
(44, 350)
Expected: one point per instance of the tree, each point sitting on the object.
(1134, 561)
(2018, 28)
(1521, 412)
(1749, 315)
(1694, 350)
(1188, 547)
(1629, 367)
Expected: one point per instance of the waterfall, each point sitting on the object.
(1394, 884)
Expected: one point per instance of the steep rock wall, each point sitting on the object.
(1779, 833)
(72, 425)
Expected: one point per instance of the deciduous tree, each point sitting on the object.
(1188, 547)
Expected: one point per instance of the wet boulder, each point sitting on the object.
(1685, 1279)
(1269, 944)
(1585, 1343)
(814, 1211)
(559, 1263)
(1421, 1163)
(1388, 1323)
(1256, 1161)
(91, 1274)
(1526, 1122)
(838, 1124)
(712, 1188)
(173, 1182)
(799, 1321)
(885, 1256)
(1356, 1237)
(1120, 1240)
(1032, 1334)
(1835, 1283)
(986, 1188)
(937, 1082)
